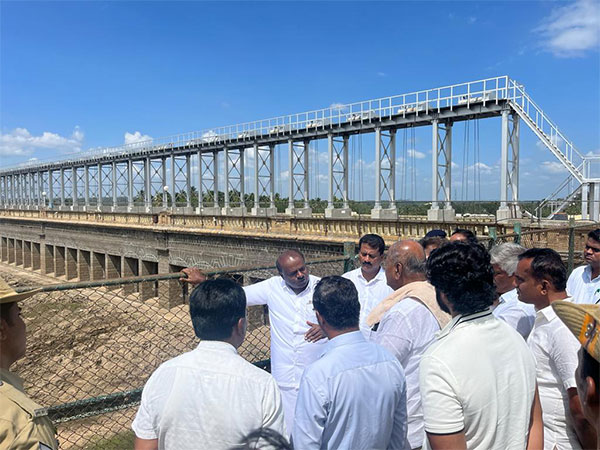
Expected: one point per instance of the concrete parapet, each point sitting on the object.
(84, 265)
(441, 215)
(234, 212)
(387, 213)
(263, 212)
(26, 254)
(18, 252)
(512, 212)
(209, 211)
(299, 212)
(338, 213)
(36, 256)
(71, 263)
(60, 261)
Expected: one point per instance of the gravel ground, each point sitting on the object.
(91, 342)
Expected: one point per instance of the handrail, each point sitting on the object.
(325, 118)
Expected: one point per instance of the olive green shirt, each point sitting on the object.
(24, 425)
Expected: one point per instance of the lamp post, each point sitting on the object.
(165, 197)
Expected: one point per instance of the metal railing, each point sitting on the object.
(417, 103)
(92, 346)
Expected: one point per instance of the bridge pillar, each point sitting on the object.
(84, 265)
(509, 171)
(147, 185)
(234, 182)
(208, 164)
(264, 180)
(385, 174)
(441, 177)
(129, 185)
(75, 197)
(86, 187)
(338, 176)
(298, 178)
(590, 201)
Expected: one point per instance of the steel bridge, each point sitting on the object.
(131, 177)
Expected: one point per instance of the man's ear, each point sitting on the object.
(544, 287)
(320, 319)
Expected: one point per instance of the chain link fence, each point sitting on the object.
(568, 241)
(93, 345)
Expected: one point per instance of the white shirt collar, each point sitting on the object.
(219, 346)
(461, 319)
(379, 277)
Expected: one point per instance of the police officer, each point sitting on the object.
(23, 423)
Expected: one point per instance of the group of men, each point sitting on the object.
(444, 348)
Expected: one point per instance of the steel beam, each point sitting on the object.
(441, 173)
(509, 167)
(385, 174)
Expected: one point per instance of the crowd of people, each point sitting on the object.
(434, 344)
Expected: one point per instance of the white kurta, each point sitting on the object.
(370, 293)
(290, 352)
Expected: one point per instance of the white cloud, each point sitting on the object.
(338, 107)
(553, 167)
(571, 30)
(381, 74)
(417, 154)
(21, 142)
(472, 19)
(135, 137)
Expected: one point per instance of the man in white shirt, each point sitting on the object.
(477, 379)
(409, 327)
(583, 285)
(296, 338)
(369, 278)
(519, 315)
(541, 279)
(209, 398)
(354, 396)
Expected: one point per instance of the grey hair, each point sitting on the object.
(414, 265)
(506, 256)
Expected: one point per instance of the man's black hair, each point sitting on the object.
(590, 368)
(595, 235)
(373, 241)
(336, 300)
(433, 240)
(468, 234)
(463, 272)
(266, 438)
(216, 306)
(547, 264)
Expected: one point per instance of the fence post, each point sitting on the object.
(517, 230)
(349, 248)
(571, 246)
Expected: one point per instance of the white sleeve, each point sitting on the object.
(563, 354)
(442, 409)
(257, 293)
(273, 409)
(145, 424)
(310, 417)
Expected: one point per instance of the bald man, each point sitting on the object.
(410, 318)
(296, 338)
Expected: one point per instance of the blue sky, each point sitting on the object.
(80, 75)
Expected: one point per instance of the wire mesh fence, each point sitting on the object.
(93, 345)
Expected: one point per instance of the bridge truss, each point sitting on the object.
(133, 177)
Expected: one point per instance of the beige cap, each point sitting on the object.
(583, 321)
(9, 295)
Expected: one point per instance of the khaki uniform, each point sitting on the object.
(24, 425)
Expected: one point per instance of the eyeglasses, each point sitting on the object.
(593, 249)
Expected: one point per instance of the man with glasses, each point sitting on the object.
(584, 283)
